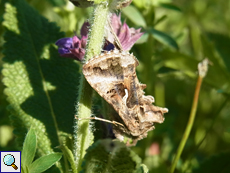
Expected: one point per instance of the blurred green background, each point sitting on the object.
(178, 35)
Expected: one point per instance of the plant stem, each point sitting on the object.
(83, 136)
(202, 68)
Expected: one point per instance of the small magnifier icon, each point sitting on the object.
(9, 160)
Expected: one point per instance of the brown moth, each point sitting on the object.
(113, 75)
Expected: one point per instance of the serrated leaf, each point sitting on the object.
(170, 6)
(109, 156)
(29, 148)
(134, 15)
(164, 38)
(44, 163)
(40, 85)
(215, 163)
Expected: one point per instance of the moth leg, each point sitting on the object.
(100, 119)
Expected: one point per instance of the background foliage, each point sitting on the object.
(178, 34)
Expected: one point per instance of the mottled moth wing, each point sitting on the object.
(113, 76)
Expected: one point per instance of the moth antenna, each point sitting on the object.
(117, 41)
(100, 119)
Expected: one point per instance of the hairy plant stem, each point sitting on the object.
(202, 69)
(83, 136)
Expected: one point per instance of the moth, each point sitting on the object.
(113, 75)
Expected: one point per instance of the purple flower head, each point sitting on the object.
(127, 36)
(74, 47)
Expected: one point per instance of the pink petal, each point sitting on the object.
(78, 53)
(83, 41)
(128, 45)
(116, 22)
(76, 42)
(124, 34)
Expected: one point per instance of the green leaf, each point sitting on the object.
(164, 38)
(216, 163)
(44, 163)
(161, 19)
(57, 3)
(96, 1)
(109, 156)
(179, 61)
(142, 169)
(69, 155)
(188, 65)
(139, 4)
(29, 148)
(24, 169)
(85, 3)
(134, 15)
(170, 6)
(40, 85)
(222, 44)
(218, 75)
